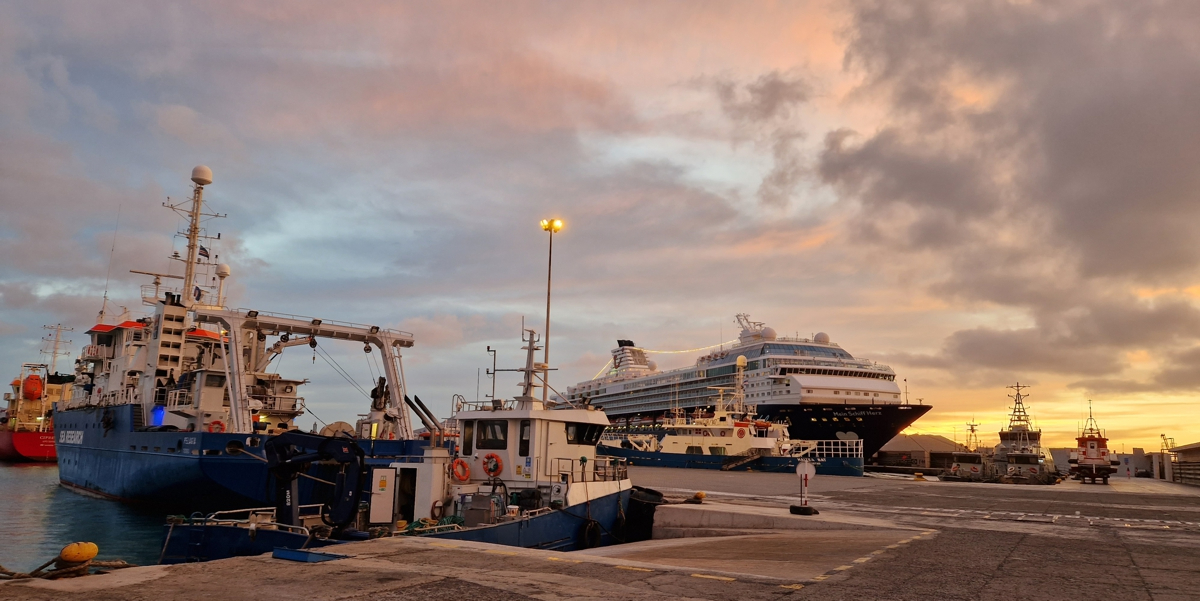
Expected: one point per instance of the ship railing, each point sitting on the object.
(96, 351)
(601, 469)
(823, 449)
(258, 517)
(273, 402)
(490, 405)
(179, 398)
(151, 294)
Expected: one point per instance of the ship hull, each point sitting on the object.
(27, 446)
(101, 453)
(559, 530)
(828, 466)
(875, 425)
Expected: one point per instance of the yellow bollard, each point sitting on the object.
(78, 552)
(919, 477)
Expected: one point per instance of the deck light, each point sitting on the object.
(251, 314)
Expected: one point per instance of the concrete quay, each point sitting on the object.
(875, 538)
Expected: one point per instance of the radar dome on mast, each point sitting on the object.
(821, 338)
(223, 270)
(201, 175)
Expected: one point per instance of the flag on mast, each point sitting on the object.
(203, 252)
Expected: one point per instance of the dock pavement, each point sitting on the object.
(884, 537)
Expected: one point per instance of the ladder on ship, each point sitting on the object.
(736, 461)
(139, 417)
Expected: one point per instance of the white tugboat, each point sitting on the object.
(1019, 456)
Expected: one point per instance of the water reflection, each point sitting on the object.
(38, 517)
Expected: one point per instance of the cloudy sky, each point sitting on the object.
(974, 193)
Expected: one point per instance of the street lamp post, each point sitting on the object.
(548, 225)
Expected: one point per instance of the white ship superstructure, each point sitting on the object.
(821, 390)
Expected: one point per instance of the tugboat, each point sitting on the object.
(1019, 457)
(524, 476)
(732, 437)
(970, 464)
(1091, 460)
(27, 424)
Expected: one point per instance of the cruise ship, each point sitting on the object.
(821, 391)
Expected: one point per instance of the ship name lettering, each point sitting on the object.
(70, 436)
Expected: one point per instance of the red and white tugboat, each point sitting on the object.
(1091, 460)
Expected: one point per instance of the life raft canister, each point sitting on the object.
(32, 387)
(460, 470)
(492, 464)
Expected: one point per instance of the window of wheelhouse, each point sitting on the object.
(492, 434)
(588, 434)
(523, 442)
(468, 437)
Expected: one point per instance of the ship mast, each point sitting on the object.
(56, 342)
(201, 176)
(972, 438)
(1018, 421)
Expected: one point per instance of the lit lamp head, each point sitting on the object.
(552, 225)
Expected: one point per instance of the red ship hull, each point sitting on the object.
(27, 446)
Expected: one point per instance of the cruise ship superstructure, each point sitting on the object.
(815, 386)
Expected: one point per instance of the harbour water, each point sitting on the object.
(38, 517)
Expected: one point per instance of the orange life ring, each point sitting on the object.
(492, 469)
(722, 433)
(741, 432)
(217, 426)
(462, 471)
(707, 433)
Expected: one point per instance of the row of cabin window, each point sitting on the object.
(492, 435)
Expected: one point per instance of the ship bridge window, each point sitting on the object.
(468, 437)
(214, 380)
(588, 434)
(493, 434)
